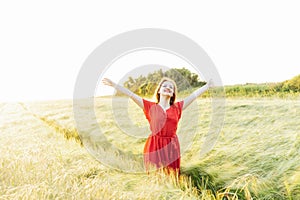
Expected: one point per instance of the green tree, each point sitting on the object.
(292, 84)
(146, 86)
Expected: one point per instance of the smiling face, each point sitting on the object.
(166, 87)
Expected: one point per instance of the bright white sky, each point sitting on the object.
(43, 44)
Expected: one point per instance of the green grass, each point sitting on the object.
(256, 156)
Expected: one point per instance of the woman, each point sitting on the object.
(162, 148)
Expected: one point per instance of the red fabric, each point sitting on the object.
(162, 147)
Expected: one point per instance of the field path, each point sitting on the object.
(32, 154)
(19, 126)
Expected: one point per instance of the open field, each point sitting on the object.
(256, 156)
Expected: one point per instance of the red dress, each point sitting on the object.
(162, 147)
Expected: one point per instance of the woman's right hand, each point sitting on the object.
(108, 82)
(137, 99)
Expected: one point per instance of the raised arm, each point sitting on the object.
(188, 100)
(137, 99)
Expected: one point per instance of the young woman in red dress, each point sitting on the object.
(162, 148)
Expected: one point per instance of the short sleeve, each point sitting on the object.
(147, 106)
(179, 106)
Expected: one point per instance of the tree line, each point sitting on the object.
(279, 89)
(187, 81)
(146, 85)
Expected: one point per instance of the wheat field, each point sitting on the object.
(256, 155)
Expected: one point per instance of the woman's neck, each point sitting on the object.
(164, 101)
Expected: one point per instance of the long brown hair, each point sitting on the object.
(173, 98)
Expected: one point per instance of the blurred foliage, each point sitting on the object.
(187, 82)
(146, 85)
(280, 89)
